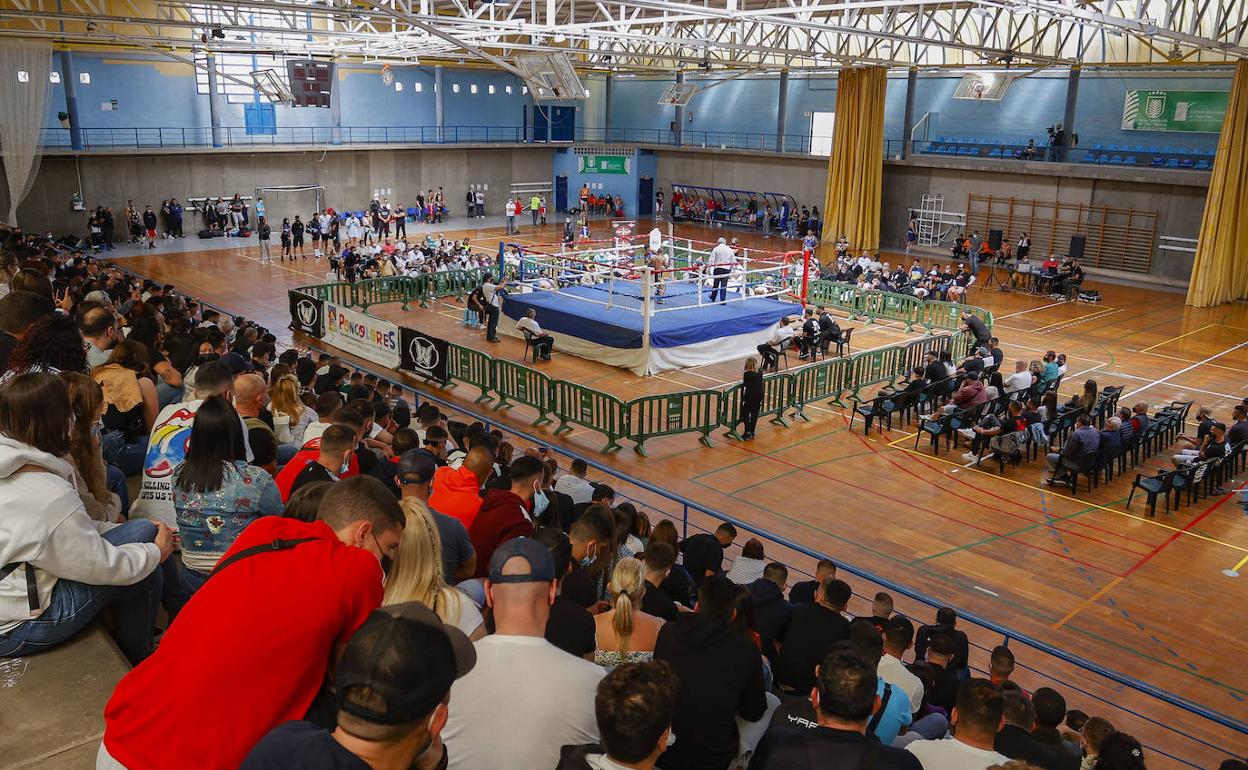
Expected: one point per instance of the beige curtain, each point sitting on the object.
(1220, 272)
(851, 205)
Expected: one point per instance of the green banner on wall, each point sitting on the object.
(604, 164)
(1197, 111)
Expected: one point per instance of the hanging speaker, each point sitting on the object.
(994, 240)
(1077, 242)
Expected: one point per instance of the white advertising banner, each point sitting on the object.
(362, 335)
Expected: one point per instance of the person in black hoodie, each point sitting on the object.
(812, 631)
(946, 623)
(721, 677)
(844, 698)
(771, 611)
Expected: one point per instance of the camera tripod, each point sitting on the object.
(993, 278)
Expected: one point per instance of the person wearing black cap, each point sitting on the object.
(392, 683)
(525, 698)
(414, 477)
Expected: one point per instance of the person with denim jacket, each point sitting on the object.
(216, 493)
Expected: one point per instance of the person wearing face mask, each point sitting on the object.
(393, 683)
(257, 641)
(507, 513)
(216, 494)
(332, 461)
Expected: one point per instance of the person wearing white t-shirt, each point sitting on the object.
(574, 485)
(540, 338)
(656, 239)
(976, 719)
(525, 698)
(1020, 379)
(511, 217)
(898, 637)
(720, 262)
(784, 332)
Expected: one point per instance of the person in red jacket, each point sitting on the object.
(507, 513)
(457, 491)
(310, 453)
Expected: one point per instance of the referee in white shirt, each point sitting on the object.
(542, 341)
(721, 261)
(493, 293)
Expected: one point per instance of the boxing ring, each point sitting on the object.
(613, 302)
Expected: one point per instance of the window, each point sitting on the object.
(508, 89)
(821, 125)
(398, 86)
(472, 89)
(454, 88)
(238, 65)
(524, 90)
(54, 77)
(84, 78)
(418, 87)
(23, 76)
(490, 90)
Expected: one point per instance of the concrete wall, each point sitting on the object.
(349, 178)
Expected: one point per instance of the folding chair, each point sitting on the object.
(1164, 483)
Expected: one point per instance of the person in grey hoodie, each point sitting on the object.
(58, 568)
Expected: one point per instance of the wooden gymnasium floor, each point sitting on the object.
(1144, 597)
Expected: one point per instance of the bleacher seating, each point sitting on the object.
(1013, 148)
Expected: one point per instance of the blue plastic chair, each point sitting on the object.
(1103, 159)
(1172, 163)
(996, 152)
(1089, 157)
(1116, 160)
(1128, 160)
(1203, 165)
(1187, 163)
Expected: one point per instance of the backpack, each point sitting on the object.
(1090, 295)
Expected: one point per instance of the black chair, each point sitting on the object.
(530, 343)
(880, 407)
(1088, 465)
(842, 342)
(1165, 483)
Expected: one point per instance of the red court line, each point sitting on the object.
(910, 504)
(1175, 535)
(1093, 527)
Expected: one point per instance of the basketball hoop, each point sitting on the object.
(387, 75)
(979, 89)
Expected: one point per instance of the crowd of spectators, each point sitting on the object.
(339, 580)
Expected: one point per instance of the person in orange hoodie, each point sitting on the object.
(507, 513)
(457, 491)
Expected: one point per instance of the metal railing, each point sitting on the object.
(175, 137)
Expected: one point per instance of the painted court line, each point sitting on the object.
(1031, 310)
(1169, 377)
(1172, 339)
(1083, 605)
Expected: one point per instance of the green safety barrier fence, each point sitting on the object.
(473, 367)
(647, 417)
(693, 411)
(518, 384)
(818, 382)
(871, 304)
(776, 390)
(601, 412)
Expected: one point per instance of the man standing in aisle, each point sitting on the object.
(511, 217)
(493, 294)
(720, 262)
(535, 207)
(263, 231)
(480, 201)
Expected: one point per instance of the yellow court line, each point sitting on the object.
(1083, 605)
(1190, 361)
(1106, 311)
(1241, 563)
(1085, 503)
(271, 263)
(1172, 339)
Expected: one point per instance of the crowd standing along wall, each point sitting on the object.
(349, 178)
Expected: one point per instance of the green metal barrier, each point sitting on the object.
(693, 411)
(872, 304)
(576, 404)
(817, 382)
(776, 391)
(470, 366)
(518, 384)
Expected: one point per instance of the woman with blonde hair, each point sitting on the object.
(290, 417)
(131, 405)
(625, 633)
(86, 402)
(416, 575)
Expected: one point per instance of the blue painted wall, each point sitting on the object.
(624, 185)
(152, 92)
(1030, 105)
